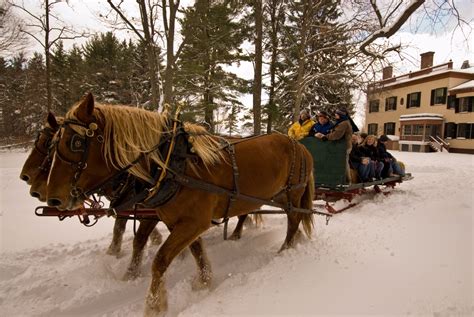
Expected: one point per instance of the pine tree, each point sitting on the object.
(316, 72)
(213, 36)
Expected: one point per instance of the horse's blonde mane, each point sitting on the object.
(130, 131)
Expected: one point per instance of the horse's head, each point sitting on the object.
(78, 162)
(36, 167)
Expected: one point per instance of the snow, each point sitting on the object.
(407, 253)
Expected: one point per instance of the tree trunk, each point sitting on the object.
(151, 54)
(257, 84)
(170, 57)
(271, 108)
(47, 59)
(298, 90)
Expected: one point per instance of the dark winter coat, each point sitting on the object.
(383, 153)
(371, 151)
(356, 155)
(321, 128)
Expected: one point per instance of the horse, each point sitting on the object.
(213, 184)
(35, 173)
(35, 170)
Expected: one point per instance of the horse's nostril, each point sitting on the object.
(35, 194)
(25, 177)
(53, 202)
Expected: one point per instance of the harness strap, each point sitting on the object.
(236, 192)
(208, 187)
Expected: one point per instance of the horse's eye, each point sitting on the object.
(78, 143)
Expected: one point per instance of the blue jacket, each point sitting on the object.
(319, 128)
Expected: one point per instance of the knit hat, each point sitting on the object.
(324, 114)
(383, 138)
(342, 111)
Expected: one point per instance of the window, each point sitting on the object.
(464, 105)
(389, 128)
(438, 96)
(405, 147)
(407, 130)
(415, 148)
(465, 130)
(374, 106)
(414, 100)
(450, 130)
(391, 103)
(372, 128)
(417, 129)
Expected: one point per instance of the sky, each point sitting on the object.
(417, 36)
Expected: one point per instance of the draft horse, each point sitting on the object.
(117, 138)
(35, 172)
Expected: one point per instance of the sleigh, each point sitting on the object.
(331, 176)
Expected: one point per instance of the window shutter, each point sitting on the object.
(419, 99)
(472, 131)
(432, 97)
(386, 104)
(445, 130)
(456, 105)
(445, 93)
(450, 102)
(454, 128)
(470, 102)
(395, 103)
(408, 101)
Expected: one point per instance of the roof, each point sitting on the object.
(417, 75)
(466, 85)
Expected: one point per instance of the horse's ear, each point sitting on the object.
(86, 108)
(53, 123)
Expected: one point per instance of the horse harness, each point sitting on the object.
(167, 180)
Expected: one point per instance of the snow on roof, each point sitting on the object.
(421, 116)
(435, 70)
(467, 84)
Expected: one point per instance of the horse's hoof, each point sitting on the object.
(113, 251)
(234, 237)
(199, 284)
(131, 275)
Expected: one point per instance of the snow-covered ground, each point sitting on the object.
(408, 253)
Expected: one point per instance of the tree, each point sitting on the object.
(257, 79)
(43, 32)
(11, 37)
(213, 35)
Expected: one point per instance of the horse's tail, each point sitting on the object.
(307, 203)
(257, 219)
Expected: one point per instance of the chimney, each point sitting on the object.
(426, 60)
(387, 72)
(465, 64)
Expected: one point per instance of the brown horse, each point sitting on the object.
(35, 172)
(36, 167)
(115, 138)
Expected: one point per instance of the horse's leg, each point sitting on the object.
(182, 235)
(155, 237)
(139, 242)
(294, 218)
(205, 272)
(119, 229)
(238, 229)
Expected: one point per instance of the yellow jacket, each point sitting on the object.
(298, 131)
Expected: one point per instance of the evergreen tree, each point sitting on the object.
(212, 36)
(316, 72)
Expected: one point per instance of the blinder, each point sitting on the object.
(78, 143)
